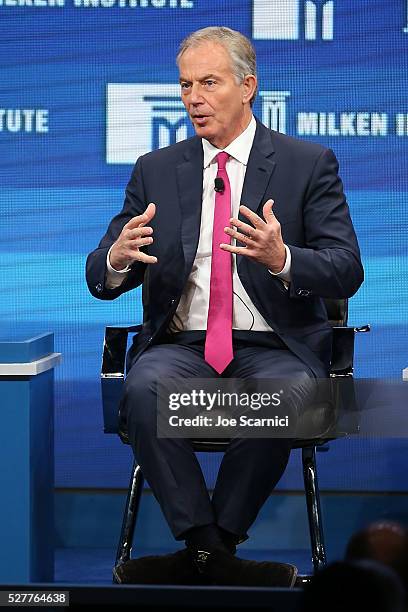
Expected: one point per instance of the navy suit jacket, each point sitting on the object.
(309, 203)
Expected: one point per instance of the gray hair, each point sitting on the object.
(238, 47)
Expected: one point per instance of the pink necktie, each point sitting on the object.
(218, 350)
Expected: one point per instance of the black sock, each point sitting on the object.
(205, 537)
(230, 539)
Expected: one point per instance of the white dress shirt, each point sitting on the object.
(192, 310)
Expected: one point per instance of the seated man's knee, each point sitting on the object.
(139, 401)
(140, 383)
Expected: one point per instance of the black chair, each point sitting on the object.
(322, 418)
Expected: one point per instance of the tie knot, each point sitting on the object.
(222, 160)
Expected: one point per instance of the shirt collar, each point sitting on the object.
(239, 148)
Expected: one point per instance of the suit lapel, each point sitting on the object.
(190, 187)
(258, 173)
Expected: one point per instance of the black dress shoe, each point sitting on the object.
(222, 568)
(175, 568)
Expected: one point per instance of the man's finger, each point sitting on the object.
(150, 259)
(240, 237)
(141, 241)
(234, 249)
(133, 234)
(148, 214)
(136, 222)
(150, 210)
(253, 217)
(144, 218)
(249, 230)
(267, 210)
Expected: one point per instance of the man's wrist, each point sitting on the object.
(277, 269)
(284, 274)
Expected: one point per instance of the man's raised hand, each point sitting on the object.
(135, 234)
(263, 239)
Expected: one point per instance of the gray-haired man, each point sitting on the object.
(261, 317)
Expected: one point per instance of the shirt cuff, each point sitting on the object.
(284, 274)
(114, 278)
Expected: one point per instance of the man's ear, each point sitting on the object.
(249, 86)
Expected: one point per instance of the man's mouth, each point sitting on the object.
(200, 119)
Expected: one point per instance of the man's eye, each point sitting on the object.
(184, 85)
(209, 83)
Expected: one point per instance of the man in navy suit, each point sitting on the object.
(236, 234)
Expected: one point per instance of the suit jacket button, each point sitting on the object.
(98, 287)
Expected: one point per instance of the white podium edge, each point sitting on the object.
(32, 368)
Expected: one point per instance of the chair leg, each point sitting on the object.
(313, 507)
(130, 515)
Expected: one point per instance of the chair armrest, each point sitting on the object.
(343, 349)
(363, 329)
(114, 350)
(113, 372)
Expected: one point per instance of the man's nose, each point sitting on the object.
(195, 94)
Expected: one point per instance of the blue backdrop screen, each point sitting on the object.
(86, 86)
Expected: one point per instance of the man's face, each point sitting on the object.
(218, 106)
